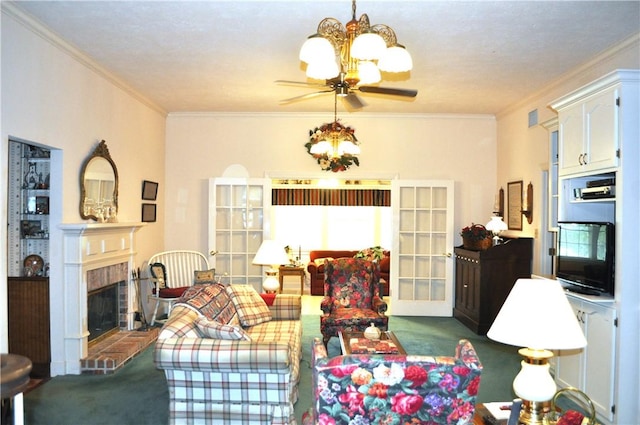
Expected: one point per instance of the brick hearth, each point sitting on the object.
(113, 352)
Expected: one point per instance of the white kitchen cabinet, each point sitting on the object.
(604, 115)
(589, 130)
(592, 368)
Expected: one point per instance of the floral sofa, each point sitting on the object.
(394, 389)
(230, 358)
(315, 267)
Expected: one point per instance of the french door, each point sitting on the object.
(421, 263)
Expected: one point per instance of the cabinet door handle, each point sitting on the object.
(584, 159)
(580, 159)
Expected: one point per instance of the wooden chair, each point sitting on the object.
(171, 273)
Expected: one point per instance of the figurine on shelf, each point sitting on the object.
(31, 177)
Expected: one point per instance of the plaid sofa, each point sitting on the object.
(219, 372)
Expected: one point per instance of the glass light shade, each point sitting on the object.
(316, 48)
(496, 225)
(395, 59)
(348, 147)
(271, 253)
(323, 70)
(537, 315)
(368, 46)
(368, 72)
(321, 147)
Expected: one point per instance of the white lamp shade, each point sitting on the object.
(348, 148)
(496, 225)
(270, 253)
(317, 49)
(395, 59)
(537, 315)
(323, 69)
(368, 72)
(321, 147)
(368, 46)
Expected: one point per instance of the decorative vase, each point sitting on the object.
(372, 332)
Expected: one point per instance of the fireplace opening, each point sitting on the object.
(103, 312)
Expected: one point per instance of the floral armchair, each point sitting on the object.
(351, 297)
(394, 389)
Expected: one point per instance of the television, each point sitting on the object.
(586, 257)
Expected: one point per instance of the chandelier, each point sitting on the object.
(334, 145)
(359, 50)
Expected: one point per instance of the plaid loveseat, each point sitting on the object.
(229, 358)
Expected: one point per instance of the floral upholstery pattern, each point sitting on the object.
(394, 389)
(352, 297)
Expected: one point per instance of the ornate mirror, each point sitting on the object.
(99, 186)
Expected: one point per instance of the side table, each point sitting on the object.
(291, 271)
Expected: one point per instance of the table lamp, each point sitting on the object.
(496, 226)
(271, 254)
(536, 315)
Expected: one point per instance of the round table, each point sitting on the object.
(14, 379)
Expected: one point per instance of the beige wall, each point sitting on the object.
(444, 147)
(51, 98)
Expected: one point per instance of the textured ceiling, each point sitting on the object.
(469, 57)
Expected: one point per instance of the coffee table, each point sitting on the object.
(346, 336)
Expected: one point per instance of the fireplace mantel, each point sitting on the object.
(90, 246)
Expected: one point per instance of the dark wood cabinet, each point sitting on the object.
(485, 278)
(29, 331)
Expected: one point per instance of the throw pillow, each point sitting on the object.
(320, 261)
(252, 309)
(204, 277)
(213, 329)
(212, 302)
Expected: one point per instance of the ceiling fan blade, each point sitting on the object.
(305, 96)
(299, 83)
(388, 90)
(353, 100)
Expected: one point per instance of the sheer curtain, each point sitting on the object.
(308, 228)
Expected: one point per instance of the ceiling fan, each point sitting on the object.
(343, 89)
(346, 56)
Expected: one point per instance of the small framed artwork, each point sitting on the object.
(149, 190)
(514, 205)
(148, 213)
(42, 205)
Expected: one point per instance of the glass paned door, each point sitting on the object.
(237, 217)
(422, 266)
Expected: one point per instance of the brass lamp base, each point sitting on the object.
(535, 413)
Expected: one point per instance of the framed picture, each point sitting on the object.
(514, 205)
(149, 190)
(42, 205)
(30, 229)
(148, 213)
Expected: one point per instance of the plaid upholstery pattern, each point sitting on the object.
(252, 310)
(212, 329)
(233, 381)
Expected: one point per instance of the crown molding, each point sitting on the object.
(36, 27)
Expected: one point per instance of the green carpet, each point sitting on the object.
(137, 393)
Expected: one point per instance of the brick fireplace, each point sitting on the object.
(95, 255)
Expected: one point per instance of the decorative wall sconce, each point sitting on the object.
(527, 203)
(498, 206)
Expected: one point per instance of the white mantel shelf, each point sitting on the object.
(86, 247)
